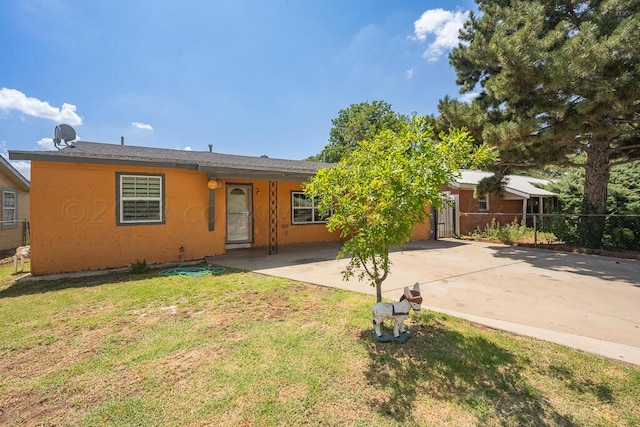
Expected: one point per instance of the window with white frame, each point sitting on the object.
(140, 199)
(9, 208)
(304, 210)
(483, 202)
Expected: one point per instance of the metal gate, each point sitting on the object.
(448, 224)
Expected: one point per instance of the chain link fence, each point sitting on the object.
(615, 232)
(593, 231)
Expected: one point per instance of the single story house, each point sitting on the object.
(14, 224)
(97, 206)
(522, 196)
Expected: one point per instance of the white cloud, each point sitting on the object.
(187, 148)
(11, 99)
(468, 97)
(410, 73)
(143, 126)
(444, 25)
(46, 143)
(23, 167)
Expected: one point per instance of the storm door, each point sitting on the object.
(239, 214)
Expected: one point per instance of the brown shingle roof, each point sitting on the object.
(221, 165)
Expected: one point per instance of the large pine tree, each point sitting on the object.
(557, 78)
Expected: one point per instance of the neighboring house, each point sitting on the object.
(97, 206)
(522, 195)
(14, 198)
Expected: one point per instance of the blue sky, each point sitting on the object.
(250, 77)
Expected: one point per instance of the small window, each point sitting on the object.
(9, 208)
(140, 199)
(483, 202)
(304, 210)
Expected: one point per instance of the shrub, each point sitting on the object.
(139, 267)
(510, 233)
(622, 237)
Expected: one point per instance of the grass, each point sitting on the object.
(245, 349)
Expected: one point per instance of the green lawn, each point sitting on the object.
(245, 349)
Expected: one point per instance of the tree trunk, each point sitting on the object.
(595, 192)
(378, 290)
(597, 176)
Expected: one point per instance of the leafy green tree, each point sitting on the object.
(557, 78)
(623, 192)
(378, 192)
(623, 202)
(357, 123)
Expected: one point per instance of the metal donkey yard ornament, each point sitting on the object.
(398, 311)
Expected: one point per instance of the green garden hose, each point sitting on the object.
(191, 271)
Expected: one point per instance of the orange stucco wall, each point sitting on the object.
(74, 227)
(73, 219)
(421, 231)
(288, 233)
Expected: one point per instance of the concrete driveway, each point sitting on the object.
(587, 302)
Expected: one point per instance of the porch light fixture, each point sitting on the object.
(214, 183)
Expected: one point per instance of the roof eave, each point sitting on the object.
(256, 174)
(219, 172)
(25, 155)
(518, 193)
(16, 177)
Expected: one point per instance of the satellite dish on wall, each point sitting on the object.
(63, 134)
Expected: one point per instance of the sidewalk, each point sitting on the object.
(587, 302)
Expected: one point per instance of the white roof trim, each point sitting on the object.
(520, 185)
(13, 174)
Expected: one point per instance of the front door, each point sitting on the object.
(239, 214)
